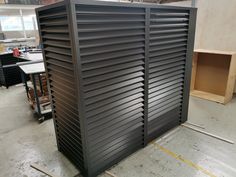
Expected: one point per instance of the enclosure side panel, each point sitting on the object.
(56, 34)
(188, 64)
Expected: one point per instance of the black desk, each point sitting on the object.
(9, 71)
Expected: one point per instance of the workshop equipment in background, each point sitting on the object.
(37, 94)
(16, 52)
(42, 92)
(9, 71)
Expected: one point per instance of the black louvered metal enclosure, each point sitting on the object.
(119, 76)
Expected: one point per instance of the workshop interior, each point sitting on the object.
(117, 88)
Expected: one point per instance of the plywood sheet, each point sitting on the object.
(212, 73)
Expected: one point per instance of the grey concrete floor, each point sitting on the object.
(179, 153)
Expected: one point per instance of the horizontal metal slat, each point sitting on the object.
(176, 99)
(113, 87)
(155, 32)
(109, 112)
(59, 102)
(60, 29)
(178, 73)
(170, 118)
(169, 36)
(67, 100)
(157, 83)
(112, 93)
(61, 78)
(118, 156)
(54, 43)
(108, 13)
(113, 105)
(114, 143)
(66, 112)
(53, 36)
(108, 126)
(111, 48)
(156, 93)
(111, 69)
(111, 34)
(114, 61)
(116, 140)
(91, 17)
(110, 27)
(68, 134)
(60, 63)
(61, 70)
(112, 75)
(110, 41)
(164, 110)
(169, 46)
(125, 111)
(166, 66)
(58, 50)
(167, 42)
(113, 99)
(168, 56)
(167, 52)
(112, 81)
(72, 109)
(66, 143)
(65, 125)
(169, 20)
(174, 15)
(163, 72)
(64, 93)
(55, 22)
(115, 127)
(66, 88)
(54, 14)
(107, 9)
(108, 56)
(165, 62)
(113, 151)
(63, 117)
(157, 88)
(109, 21)
(60, 57)
(165, 96)
(168, 25)
(117, 133)
(71, 143)
(117, 117)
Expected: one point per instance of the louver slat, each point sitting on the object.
(59, 65)
(118, 76)
(168, 51)
(104, 49)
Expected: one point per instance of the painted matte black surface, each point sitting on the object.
(9, 71)
(119, 76)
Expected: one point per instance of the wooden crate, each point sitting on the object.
(213, 75)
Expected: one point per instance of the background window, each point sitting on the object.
(11, 23)
(29, 22)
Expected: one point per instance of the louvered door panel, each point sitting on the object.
(167, 57)
(112, 45)
(59, 64)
